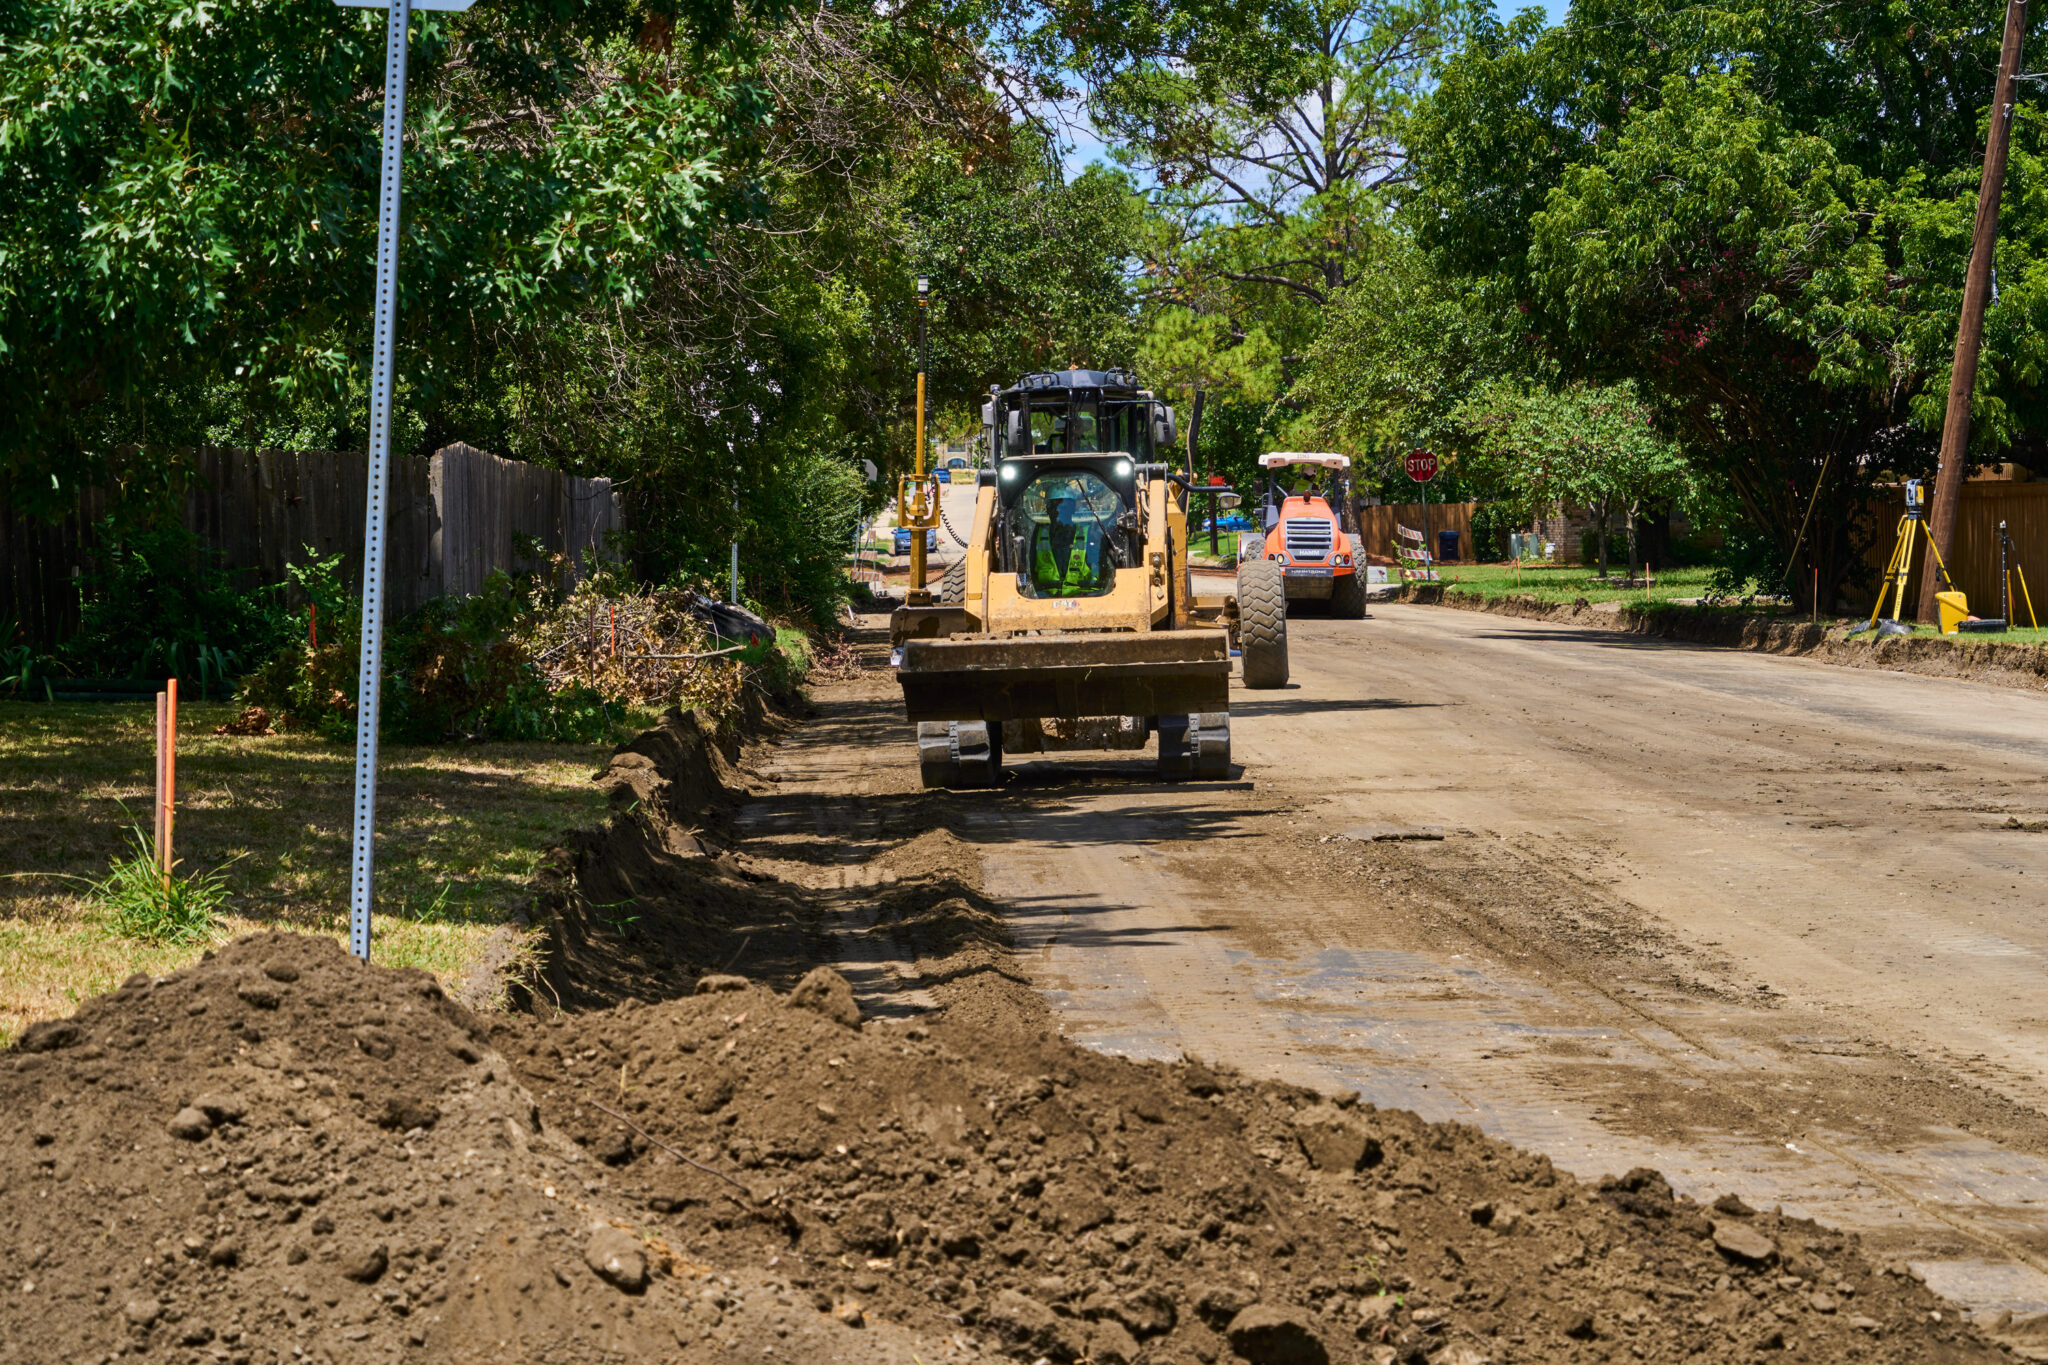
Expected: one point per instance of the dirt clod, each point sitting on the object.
(1743, 1242)
(618, 1259)
(191, 1124)
(1335, 1141)
(220, 1109)
(366, 1266)
(715, 982)
(1268, 1335)
(829, 994)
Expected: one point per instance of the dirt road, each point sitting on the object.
(1770, 926)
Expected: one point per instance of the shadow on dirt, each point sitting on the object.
(1310, 707)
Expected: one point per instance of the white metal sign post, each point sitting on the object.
(369, 668)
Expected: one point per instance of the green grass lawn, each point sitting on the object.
(460, 832)
(1560, 585)
(1226, 547)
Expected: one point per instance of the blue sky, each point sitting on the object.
(1088, 148)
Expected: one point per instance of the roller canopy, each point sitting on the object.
(1280, 458)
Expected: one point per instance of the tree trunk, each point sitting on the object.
(1602, 533)
(1634, 508)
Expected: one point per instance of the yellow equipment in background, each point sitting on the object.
(1900, 567)
(1954, 608)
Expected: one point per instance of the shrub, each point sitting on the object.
(521, 660)
(158, 602)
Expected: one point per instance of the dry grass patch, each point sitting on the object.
(460, 832)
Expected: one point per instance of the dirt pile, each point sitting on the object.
(1058, 1203)
(280, 1154)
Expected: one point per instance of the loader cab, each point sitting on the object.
(1067, 524)
(1068, 450)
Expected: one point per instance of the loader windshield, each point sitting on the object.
(1090, 424)
(1061, 525)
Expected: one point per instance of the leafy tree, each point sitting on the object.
(1594, 447)
(1275, 137)
(1404, 345)
(191, 217)
(1758, 212)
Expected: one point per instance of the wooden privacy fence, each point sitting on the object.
(455, 516)
(1973, 563)
(1376, 525)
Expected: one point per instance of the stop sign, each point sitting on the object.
(1421, 466)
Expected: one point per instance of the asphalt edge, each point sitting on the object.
(2019, 667)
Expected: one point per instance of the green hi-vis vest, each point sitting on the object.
(1079, 575)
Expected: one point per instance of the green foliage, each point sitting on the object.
(158, 603)
(192, 187)
(1759, 213)
(1403, 346)
(1582, 445)
(139, 902)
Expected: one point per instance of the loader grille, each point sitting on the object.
(1308, 538)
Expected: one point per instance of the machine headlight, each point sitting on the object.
(1278, 555)
(1342, 561)
(1123, 469)
(1009, 471)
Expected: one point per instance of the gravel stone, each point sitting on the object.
(618, 1258)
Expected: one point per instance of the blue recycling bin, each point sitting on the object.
(1446, 546)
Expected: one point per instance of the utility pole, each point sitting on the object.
(922, 514)
(370, 662)
(1955, 428)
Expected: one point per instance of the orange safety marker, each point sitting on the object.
(170, 776)
(156, 809)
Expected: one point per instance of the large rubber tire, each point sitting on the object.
(1347, 596)
(1262, 623)
(953, 585)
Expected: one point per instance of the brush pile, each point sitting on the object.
(648, 649)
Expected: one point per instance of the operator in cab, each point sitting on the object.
(1067, 561)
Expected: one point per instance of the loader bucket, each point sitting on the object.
(1138, 673)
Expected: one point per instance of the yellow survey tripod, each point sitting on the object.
(1901, 565)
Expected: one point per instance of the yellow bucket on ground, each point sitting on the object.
(1955, 609)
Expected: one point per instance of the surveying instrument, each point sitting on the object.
(1900, 566)
(2007, 567)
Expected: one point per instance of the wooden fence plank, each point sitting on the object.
(1376, 525)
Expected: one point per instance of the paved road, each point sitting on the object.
(1772, 926)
